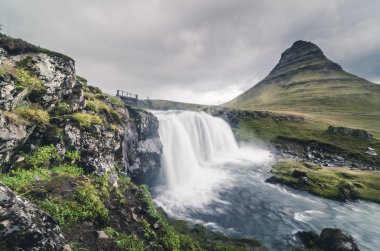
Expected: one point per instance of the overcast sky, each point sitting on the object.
(194, 50)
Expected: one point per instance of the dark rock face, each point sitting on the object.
(11, 136)
(304, 54)
(344, 131)
(330, 239)
(23, 226)
(142, 146)
(333, 239)
(98, 146)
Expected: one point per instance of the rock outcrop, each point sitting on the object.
(142, 146)
(99, 146)
(233, 116)
(23, 226)
(330, 239)
(12, 136)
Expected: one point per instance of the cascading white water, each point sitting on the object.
(191, 140)
(197, 147)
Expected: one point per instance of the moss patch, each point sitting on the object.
(332, 183)
(33, 114)
(86, 120)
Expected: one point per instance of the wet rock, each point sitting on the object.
(272, 180)
(23, 226)
(333, 239)
(308, 238)
(330, 239)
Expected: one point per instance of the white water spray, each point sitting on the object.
(197, 150)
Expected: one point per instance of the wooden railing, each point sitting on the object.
(124, 94)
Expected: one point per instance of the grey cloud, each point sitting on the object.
(191, 50)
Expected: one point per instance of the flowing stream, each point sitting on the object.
(207, 178)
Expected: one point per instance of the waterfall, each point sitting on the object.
(191, 140)
(197, 163)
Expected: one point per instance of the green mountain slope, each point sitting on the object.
(306, 82)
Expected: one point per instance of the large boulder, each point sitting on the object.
(23, 226)
(334, 239)
(330, 239)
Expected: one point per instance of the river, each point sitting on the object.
(210, 179)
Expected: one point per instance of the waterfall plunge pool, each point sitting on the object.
(208, 178)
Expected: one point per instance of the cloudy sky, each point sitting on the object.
(194, 50)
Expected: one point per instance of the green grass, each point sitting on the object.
(269, 130)
(62, 108)
(328, 182)
(157, 104)
(22, 180)
(33, 114)
(86, 120)
(84, 204)
(2, 71)
(24, 79)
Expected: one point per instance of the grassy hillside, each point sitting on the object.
(306, 83)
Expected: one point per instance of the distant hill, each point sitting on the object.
(306, 82)
(158, 104)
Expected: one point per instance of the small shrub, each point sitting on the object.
(62, 108)
(73, 155)
(170, 239)
(24, 63)
(82, 80)
(42, 156)
(2, 71)
(20, 179)
(91, 106)
(129, 242)
(33, 114)
(116, 101)
(24, 79)
(145, 196)
(86, 120)
(84, 204)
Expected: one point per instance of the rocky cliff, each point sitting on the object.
(52, 119)
(69, 156)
